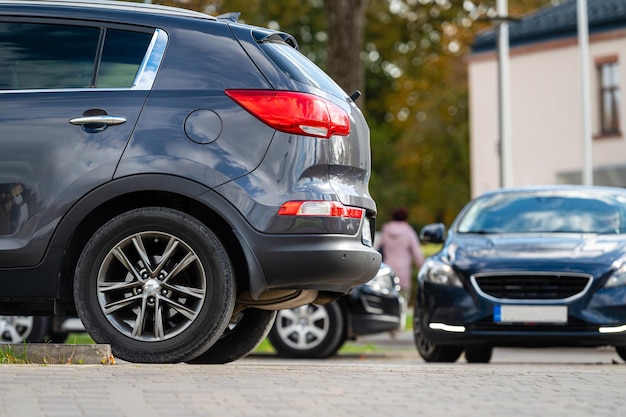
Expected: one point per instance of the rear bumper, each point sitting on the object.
(328, 263)
(327, 254)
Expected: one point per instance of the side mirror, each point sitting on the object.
(433, 233)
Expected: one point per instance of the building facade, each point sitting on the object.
(546, 99)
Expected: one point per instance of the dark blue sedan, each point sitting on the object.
(531, 267)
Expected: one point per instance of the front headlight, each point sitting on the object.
(617, 278)
(437, 272)
(384, 280)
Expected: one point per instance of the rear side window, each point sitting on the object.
(48, 56)
(122, 55)
(298, 67)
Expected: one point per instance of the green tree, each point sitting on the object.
(420, 76)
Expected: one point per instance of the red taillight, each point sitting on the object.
(294, 112)
(319, 209)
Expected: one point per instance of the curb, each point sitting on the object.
(61, 354)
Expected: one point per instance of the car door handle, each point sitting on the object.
(98, 120)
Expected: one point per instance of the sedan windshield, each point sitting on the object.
(543, 213)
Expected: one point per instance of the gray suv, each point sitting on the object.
(173, 178)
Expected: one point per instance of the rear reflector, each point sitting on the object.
(319, 209)
(294, 112)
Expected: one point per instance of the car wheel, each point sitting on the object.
(429, 351)
(310, 331)
(478, 354)
(240, 338)
(156, 284)
(20, 329)
(621, 351)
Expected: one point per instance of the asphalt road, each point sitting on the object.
(518, 382)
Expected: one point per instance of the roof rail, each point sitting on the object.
(117, 5)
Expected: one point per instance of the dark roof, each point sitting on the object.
(554, 22)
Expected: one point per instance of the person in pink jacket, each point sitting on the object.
(401, 248)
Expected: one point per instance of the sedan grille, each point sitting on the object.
(531, 286)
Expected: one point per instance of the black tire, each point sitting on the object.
(429, 351)
(478, 354)
(621, 351)
(311, 331)
(156, 284)
(240, 338)
(20, 329)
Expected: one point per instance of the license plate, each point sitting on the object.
(529, 314)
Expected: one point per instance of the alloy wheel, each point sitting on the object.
(151, 286)
(304, 327)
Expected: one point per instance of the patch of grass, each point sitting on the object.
(408, 324)
(429, 249)
(265, 347)
(8, 355)
(79, 339)
(349, 347)
(359, 348)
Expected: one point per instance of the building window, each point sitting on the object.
(608, 71)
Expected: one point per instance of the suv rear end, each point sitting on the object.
(191, 176)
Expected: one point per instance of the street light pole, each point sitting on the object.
(504, 97)
(583, 47)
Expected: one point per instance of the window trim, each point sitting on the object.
(144, 80)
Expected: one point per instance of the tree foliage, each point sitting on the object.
(413, 76)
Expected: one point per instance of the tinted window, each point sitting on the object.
(121, 57)
(42, 56)
(300, 68)
(47, 56)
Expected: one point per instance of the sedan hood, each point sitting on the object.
(536, 250)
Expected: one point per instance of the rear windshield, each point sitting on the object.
(299, 68)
